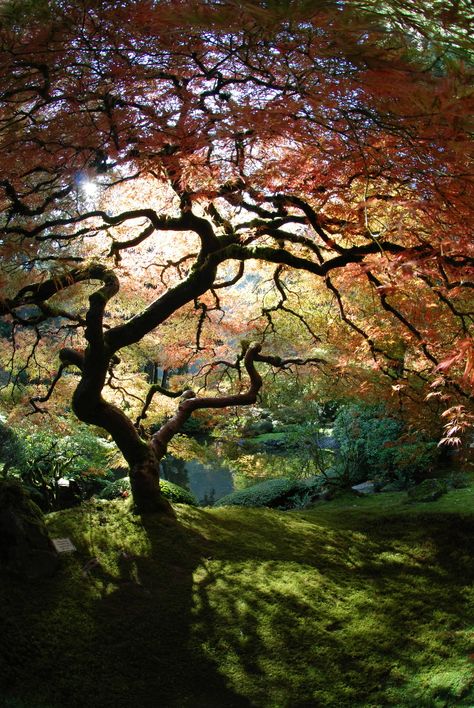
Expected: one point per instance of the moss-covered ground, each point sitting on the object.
(355, 602)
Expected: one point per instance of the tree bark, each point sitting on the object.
(145, 483)
(144, 464)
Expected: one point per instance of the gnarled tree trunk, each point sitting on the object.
(143, 462)
(145, 482)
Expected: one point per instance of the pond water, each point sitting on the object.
(208, 483)
(234, 467)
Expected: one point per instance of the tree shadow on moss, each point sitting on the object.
(125, 642)
(144, 625)
(248, 609)
(368, 616)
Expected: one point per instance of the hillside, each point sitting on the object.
(355, 602)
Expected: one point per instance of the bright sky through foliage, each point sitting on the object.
(158, 156)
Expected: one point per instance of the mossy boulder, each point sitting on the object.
(25, 547)
(174, 493)
(429, 490)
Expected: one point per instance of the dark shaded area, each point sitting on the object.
(155, 635)
(25, 547)
(134, 647)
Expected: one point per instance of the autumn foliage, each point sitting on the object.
(180, 176)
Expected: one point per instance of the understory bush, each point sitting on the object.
(171, 491)
(372, 444)
(282, 493)
(115, 489)
(458, 480)
(11, 450)
(41, 457)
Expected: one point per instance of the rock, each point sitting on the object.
(429, 490)
(391, 487)
(364, 488)
(25, 547)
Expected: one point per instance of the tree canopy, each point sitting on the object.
(179, 176)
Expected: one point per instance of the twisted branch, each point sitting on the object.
(193, 403)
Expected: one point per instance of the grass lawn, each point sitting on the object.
(355, 602)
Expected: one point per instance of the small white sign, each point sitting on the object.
(63, 545)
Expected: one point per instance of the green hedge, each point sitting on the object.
(280, 493)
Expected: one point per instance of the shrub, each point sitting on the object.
(41, 457)
(458, 480)
(309, 446)
(11, 449)
(373, 444)
(364, 435)
(398, 481)
(199, 425)
(280, 493)
(414, 459)
(171, 491)
(116, 489)
(25, 547)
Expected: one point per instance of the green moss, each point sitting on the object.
(13, 495)
(355, 602)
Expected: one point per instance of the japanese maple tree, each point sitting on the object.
(160, 159)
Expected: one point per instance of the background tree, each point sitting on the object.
(162, 161)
